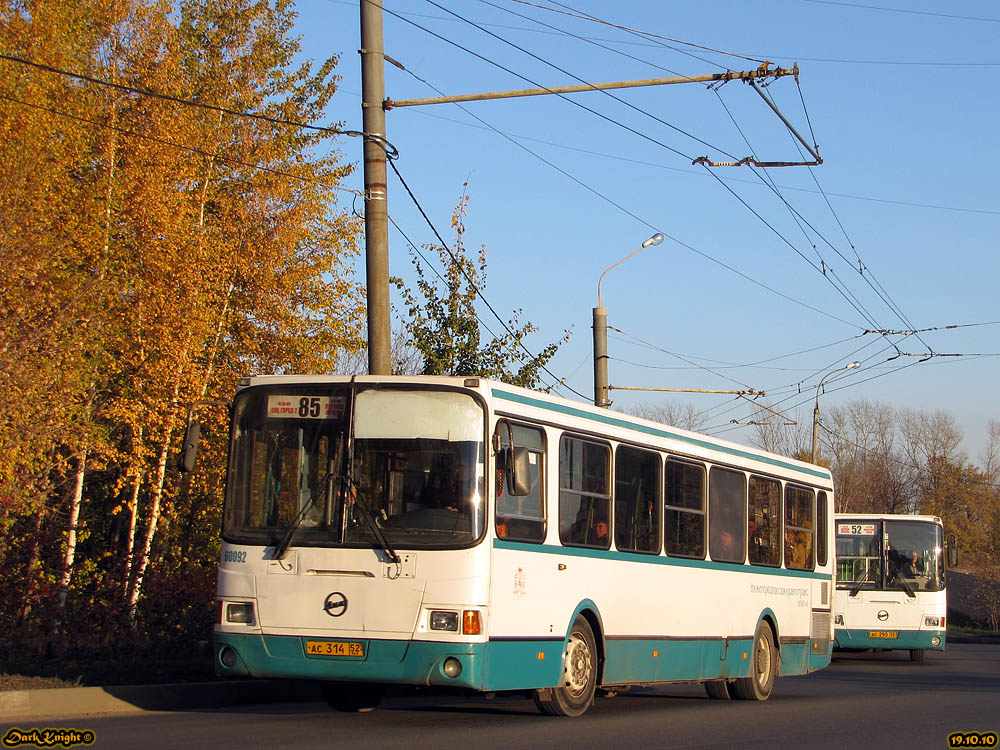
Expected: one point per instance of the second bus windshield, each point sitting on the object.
(889, 555)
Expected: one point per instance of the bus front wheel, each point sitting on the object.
(763, 667)
(575, 692)
(917, 654)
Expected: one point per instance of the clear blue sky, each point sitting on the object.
(901, 97)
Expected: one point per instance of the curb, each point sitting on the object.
(18, 705)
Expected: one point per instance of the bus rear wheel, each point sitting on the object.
(575, 692)
(721, 690)
(352, 697)
(763, 667)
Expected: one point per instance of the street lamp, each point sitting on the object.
(819, 385)
(601, 332)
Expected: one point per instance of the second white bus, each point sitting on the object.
(891, 591)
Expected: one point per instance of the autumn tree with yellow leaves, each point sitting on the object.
(169, 223)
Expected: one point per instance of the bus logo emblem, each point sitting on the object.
(335, 604)
(883, 615)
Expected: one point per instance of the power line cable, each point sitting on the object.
(645, 34)
(839, 285)
(182, 147)
(719, 364)
(692, 172)
(629, 213)
(905, 10)
(841, 288)
(565, 98)
(183, 101)
(479, 293)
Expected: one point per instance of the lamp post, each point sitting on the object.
(601, 332)
(819, 385)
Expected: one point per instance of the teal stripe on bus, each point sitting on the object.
(679, 562)
(615, 422)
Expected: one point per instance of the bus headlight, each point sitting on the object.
(933, 622)
(444, 620)
(936, 640)
(239, 612)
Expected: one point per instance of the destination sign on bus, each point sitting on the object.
(304, 407)
(855, 529)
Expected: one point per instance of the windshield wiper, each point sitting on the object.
(366, 511)
(860, 583)
(898, 578)
(282, 547)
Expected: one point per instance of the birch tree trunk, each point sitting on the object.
(76, 501)
(133, 517)
(154, 516)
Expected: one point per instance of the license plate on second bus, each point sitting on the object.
(883, 634)
(335, 648)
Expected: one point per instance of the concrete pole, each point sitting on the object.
(601, 357)
(376, 211)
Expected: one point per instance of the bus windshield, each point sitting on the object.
(412, 463)
(889, 555)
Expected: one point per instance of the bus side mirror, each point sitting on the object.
(190, 452)
(518, 472)
(951, 545)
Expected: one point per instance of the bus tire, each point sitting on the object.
(575, 692)
(352, 697)
(917, 654)
(763, 667)
(721, 690)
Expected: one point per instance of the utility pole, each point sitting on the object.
(601, 398)
(376, 210)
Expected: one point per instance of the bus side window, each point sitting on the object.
(520, 518)
(637, 500)
(727, 491)
(584, 500)
(821, 527)
(764, 521)
(800, 528)
(684, 513)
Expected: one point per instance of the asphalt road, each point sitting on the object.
(860, 701)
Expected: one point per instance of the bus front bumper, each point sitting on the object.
(889, 639)
(384, 661)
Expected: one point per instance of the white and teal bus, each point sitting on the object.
(462, 532)
(891, 590)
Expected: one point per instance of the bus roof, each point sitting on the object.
(569, 414)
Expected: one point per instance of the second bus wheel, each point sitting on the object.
(352, 697)
(763, 667)
(575, 692)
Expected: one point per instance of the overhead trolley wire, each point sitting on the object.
(562, 96)
(647, 34)
(617, 205)
(877, 287)
(842, 288)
